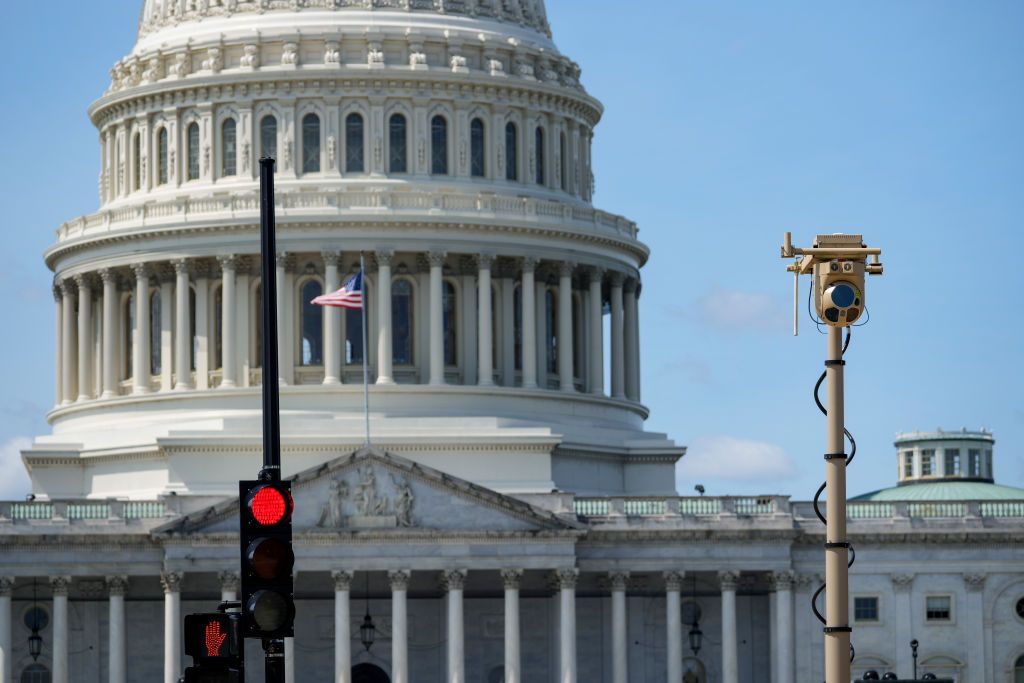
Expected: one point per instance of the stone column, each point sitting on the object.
(58, 361)
(542, 332)
(784, 655)
(436, 260)
(513, 659)
(109, 333)
(228, 338)
(342, 621)
(485, 356)
(902, 586)
(166, 333)
(730, 652)
(620, 625)
(201, 333)
(528, 319)
(631, 353)
(399, 626)
(6, 661)
(332, 322)
(385, 350)
(596, 332)
(618, 350)
(567, 622)
(171, 582)
(284, 357)
(140, 335)
(60, 586)
(67, 345)
(229, 584)
(454, 581)
(979, 668)
(565, 341)
(674, 626)
(117, 588)
(182, 327)
(84, 337)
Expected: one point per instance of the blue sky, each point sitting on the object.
(726, 124)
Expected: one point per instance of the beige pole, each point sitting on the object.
(837, 630)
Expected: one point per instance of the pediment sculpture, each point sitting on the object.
(362, 503)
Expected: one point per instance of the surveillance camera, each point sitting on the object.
(699, 488)
(839, 292)
(30, 497)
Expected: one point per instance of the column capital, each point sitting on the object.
(384, 257)
(511, 578)
(281, 259)
(83, 281)
(342, 579)
(902, 583)
(674, 580)
(728, 580)
(485, 261)
(436, 258)
(60, 585)
(454, 579)
(567, 578)
(140, 270)
(57, 293)
(117, 585)
(68, 287)
(171, 581)
(228, 261)
(619, 581)
(595, 274)
(229, 580)
(182, 266)
(975, 583)
(530, 264)
(6, 586)
(631, 285)
(399, 579)
(331, 257)
(618, 279)
(783, 580)
(566, 268)
(108, 276)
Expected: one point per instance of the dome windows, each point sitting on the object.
(229, 148)
(511, 152)
(161, 156)
(354, 156)
(539, 158)
(398, 144)
(136, 162)
(477, 157)
(192, 149)
(311, 144)
(268, 137)
(439, 145)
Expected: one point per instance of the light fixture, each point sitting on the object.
(913, 649)
(35, 641)
(367, 632)
(696, 635)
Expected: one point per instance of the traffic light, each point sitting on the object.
(265, 535)
(216, 646)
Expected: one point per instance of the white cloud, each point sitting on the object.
(14, 481)
(727, 458)
(731, 309)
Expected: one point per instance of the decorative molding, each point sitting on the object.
(902, 583)
(229, 580)
(728, 580)
(6, 586)
(342, 580)
(399, 579)
(619, 580)
(674, 580)
(566, 579)
(511, 578)
(782, 581)
(454, 579)
(117, 585)
(60, 585)
(975, 583)
(171, 581)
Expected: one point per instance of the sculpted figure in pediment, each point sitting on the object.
(403, 502)
(331, 514)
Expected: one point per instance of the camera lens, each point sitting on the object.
(843, 295)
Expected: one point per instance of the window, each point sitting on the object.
(354, 334)
(865, 609)
(137, 161)
(988, 465)
(563, 162)
(127, 342)
(938, 608)
(450, 302)
(401, 322)
(192, 133)
(511, 152)
(312, 325)
(539, 142)
(228, 148)
(268, 137)
(354, 144)
(310, 143)
(439, 146)
(154, 334)
(397, 138)
(551, 329)
(974, 462)
(218, 329)
(161, 153)
(927, 463)
(35, 673)
(952, 462)
(477, 158)
(908, 464)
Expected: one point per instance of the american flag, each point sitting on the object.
(349, 296)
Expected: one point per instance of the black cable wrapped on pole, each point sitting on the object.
(268, 266)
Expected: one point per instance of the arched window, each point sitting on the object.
(161, 153)
(539, 142)
(551, 329)
(511, 152)
(137, 161)
(310, 143)
(1018, 670)
(218, 328)
(477, 156)
(401, 322)
(257, 347)
(563, 163)
(439, 146)
(354, 144)
(312, 325)
(268, 137)
(155, 347)
(228, 148)
(397, 147)
(354, 334)
(35, 673)
(192, 134)
(127, 332)
(450, 303)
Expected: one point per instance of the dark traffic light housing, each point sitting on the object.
(265, 535)
(217, 648)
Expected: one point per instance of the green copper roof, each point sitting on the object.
(946, 490)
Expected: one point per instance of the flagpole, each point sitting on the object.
(366, 354)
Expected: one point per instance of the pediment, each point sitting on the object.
(372, 490)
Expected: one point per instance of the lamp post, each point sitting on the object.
(913, 651)
(35, 641)
(367, 632)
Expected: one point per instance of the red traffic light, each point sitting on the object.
(269, 506)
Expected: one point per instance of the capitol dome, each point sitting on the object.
(446, 141)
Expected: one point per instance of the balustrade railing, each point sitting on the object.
(80, 510)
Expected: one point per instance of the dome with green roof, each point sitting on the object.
(945, 490)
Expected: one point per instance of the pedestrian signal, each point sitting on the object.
(216, 646)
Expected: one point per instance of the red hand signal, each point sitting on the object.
(214, 639)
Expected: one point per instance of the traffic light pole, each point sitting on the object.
(837, 549)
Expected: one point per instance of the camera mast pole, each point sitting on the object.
(837, 548)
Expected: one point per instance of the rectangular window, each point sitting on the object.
(927, 463)
(865, 609)
(952, 462)
(988, 465)
(974, 462)
(938, 608)
(908, 464)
